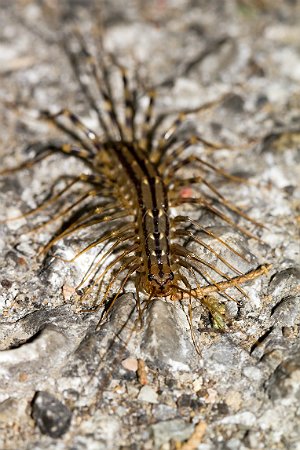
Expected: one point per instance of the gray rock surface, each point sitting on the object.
(243, 383)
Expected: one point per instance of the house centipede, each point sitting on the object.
(133, 184)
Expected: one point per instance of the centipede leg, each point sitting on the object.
(169, 169)
(201, 202)
(78, 225)
(136, 264)
(181, 251)
(221, 286)
(130, 103)
(86, 91)
(123, 284)
(119, 258)
(189, 220)
(220, 198)
(145, 138)
(45, 150)
(109, 104)
(182, 233)
(90, 274)
(138, 284)
(27, 164)
(83, 178)
(119, 234)
(88, 133)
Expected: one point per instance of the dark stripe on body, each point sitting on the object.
(130, 157)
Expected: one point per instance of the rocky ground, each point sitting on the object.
(64, 383)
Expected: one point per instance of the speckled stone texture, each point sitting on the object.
(66, 383)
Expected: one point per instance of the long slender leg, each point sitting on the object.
(181, 251)
(27, 164)
(109, 104)
(64, 212)
(88, 133)
(46, 149)
(114, 277)
(86, 91)
(202, 202)
(147, 120)
(169, 170)
(223, 285)
(188, 233)
(178, 120)
(200, 180)
(150, 136)
(130, 103)
(135, 248)
(123, 284)
(167, 140)
(94, 269)
(79, 225)
(112, 234)
(187, 219)
(44, 205)
(138, 283)
(82, 178)
(131, 249)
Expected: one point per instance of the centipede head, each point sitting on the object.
(159, 282)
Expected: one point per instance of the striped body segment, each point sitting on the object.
(152, 215)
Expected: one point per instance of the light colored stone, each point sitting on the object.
(148, 394)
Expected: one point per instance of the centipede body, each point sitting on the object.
(134, 184)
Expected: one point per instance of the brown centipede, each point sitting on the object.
(134, 184)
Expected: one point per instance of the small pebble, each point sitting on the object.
(68, 291)
(14, 224)
(176, 429)
(130, 364)
(50, 415)
(147, 394)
